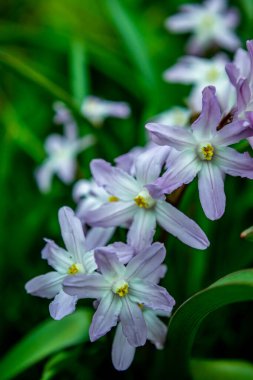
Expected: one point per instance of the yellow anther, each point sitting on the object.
(206, 151)
(141, 201)
(75, 268)
(112, 198)
(120, 287)
(122, 291)
(144, 200)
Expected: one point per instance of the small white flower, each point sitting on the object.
(96, 110)
(210, 22)
(175, 116)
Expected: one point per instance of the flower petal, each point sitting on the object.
(144, 264)
(122, 351)
(86, 285)
(142, 230)
(211, 191)
(62, 305)
(235, 163)
(176, 137)
(111, 214)
(181, 170)
(106, 316)
(57, 257)
(150, 295)
(233, 133)
(149, 164)
(133, 323)
(124, 251)
(206, 124)
(108, 263)
(46, 285)
(157, 330)
(116, 181)
(98, 237)
(179, 225)
(72, 233)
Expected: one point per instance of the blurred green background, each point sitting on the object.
(116, 49)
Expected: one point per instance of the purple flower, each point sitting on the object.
(78, 257)
(210, 22)
(202, 72)
(96, 110)
(203, 151)
(62, 151)
(136, 206)
(122, 291)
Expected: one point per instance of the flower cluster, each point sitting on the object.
(133, 194)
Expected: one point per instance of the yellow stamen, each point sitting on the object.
(122, 291)
(144, 199)
(141, 201)
(208, 152)
(75, 268)
(112, 198)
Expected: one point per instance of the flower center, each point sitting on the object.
(212, 74)
(121, 288)
(75, 268)
(112, 198)
(144, 199)
(206, 151)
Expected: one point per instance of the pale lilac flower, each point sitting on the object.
(62, 151)
(201, 72)
(96, 110)
(136, 206)
(175, 116)
(204, 151)
(121, 292)
(123, 353)
(240, 73)
(211, 24)
(78, 257)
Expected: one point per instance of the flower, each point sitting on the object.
(96, 110)
(210, 22)
(203, 151)
(62, 151)
(78, 257)
(202, 72)
(175, 116)
(137, 207)
(121, 292)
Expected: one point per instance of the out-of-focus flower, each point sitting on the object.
(203, 151)
(137, 207)
(62, 151)
(78, 257)
(175, 116)
(96, 110)
(210, 22)
(201, 72)
(240, 73)
(121, 291)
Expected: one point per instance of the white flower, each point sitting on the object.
(175, 116)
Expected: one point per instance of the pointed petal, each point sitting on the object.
(142, 230)
(108, 263)
(144, 264)
(206, 124)
(72, 233)
(133, 323)
(181, 170)
(180, 23)
(179, 225)
(111, 214)
(98, 237)
(122, 351)
(86, 285)
(151, 295)
(149, 164)
(176, 137)
(46, 285)
(106, 316)
(233, 133)
(124, 251)
(211, 191)
(66, 169)
(62, 305)
(157, 330)
(57, 257)
(114, 180)
(235, 163)
(43, 176)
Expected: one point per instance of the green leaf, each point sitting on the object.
(221, 370)
(78, 70)
(235, 287)
(46, 339)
